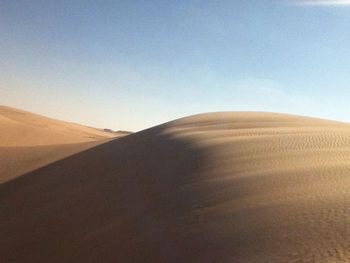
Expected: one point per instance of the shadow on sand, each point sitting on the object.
(128, 200)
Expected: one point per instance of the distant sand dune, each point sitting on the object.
(220, 187)
(21, 128)
(29, 141)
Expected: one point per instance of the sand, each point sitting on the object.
(219, 187)
(29, 141)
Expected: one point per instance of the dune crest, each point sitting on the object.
(21, 128)
(219, 187)
(29, 141)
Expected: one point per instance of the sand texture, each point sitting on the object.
(29, 141)
(219, 187)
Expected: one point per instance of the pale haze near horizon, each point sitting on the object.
(129, 65)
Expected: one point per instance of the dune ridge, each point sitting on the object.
(29, 141)
(219, 187)
(22, 128)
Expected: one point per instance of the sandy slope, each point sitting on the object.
(29, 141)
(222, 187)
(21, 128)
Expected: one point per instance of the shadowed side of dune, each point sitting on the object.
(16, 161)
(128, 200)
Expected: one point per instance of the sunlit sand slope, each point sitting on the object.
(21, 128)
(221, 187)
(29, 141)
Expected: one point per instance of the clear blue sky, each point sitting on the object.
(133, 64)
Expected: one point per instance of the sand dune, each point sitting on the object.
(21, 128)
(29, 141)
(221, 187)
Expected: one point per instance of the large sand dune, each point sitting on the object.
(21, 128)
(221, 187)
(29, 141)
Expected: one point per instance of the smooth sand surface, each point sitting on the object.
(29, 141)
(21, 128)
(221, 187)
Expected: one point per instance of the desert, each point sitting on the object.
(29, 141)
(174, 131)
(213, 187)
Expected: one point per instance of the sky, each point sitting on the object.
(130, 65)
